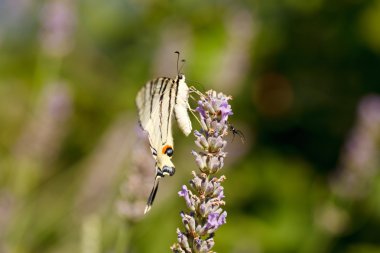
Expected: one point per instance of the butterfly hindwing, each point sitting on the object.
(181, 107)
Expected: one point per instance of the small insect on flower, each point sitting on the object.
(157, 102)
(237, 132)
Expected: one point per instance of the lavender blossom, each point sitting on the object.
(206, 194)
(44, 134)
(355, 177)
(359, 162)
(137, 185)
(58, 26)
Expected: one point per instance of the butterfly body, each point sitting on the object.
(158, 102)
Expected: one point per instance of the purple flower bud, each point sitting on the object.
(177, 249)
(209, 107)
(209, 188)
(204, 247)
(197, 244)
(195, 202)
(221, 179)
(222, 218)
(200, 160)
(208, 122)
(185, 193)
(182, 240)
(215, 220)
(212, 222)
(196, 183)
(214, 164)
(210, 243)
(192, 224)
(204, 184)
(189, 222)
(197, 133)
(199, 230)
(212, 143)
(200, 109)
(218, 128)
(225, 112)
(203, 209)
(221, 163)
(216, 144)
(204, 124)
(202, 142)
(218, 192)
(214, 204)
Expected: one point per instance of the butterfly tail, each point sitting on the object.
(152, 194)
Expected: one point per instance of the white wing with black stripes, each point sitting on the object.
(157, 102)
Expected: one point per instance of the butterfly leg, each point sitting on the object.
(192, 97)
(194, 90)
(192, 112)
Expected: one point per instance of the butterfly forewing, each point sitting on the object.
(155, 103)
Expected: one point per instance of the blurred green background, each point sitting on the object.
(304, 77)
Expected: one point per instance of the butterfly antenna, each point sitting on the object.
(176, 52)
(183, 64)
(152, 195)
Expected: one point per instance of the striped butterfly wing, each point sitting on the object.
(155, 103)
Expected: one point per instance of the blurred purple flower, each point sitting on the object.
(133, 190)
(359, 162)
(44, 134)
(58, 24)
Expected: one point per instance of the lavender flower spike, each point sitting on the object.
(205, 197)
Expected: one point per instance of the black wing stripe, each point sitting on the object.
(176, 92)
(170, 109)
(162, 84)
(152, 93)
(162, 92)
(176, 95)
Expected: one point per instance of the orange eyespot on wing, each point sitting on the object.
(168, 150)
(165, 148)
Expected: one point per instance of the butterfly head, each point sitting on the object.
(181, 77)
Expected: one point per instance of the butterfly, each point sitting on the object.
(158, 102)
